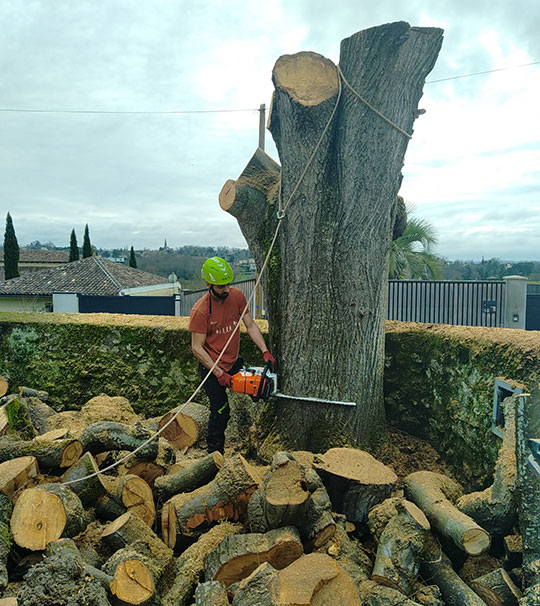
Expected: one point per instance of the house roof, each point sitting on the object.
(27, 255)
(90, 276)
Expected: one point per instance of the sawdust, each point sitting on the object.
(99, 408)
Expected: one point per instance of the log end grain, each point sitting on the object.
(476, 541)
(132, 582)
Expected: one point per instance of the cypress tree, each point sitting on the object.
(132, 260)
(11, 251)
(73, 248)
(87, 247)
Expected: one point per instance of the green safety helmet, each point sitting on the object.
(216, 270)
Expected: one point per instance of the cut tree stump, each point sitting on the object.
(129, 530)
(437, 567)
(226, 497)
(189, 567)
(400, 548)
(136, 577)
(210, 593)
(131, 493)
(6, 541)
(496, 588)
(44, 514)
(108, 435)
(188, 427)
(355, 480)
(88, 489)
(237, 556)
(52, 454)
(495, 508)
(436, 494)
(196, 475)
(16, 473)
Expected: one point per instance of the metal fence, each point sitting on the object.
(466, 303)
(190, 298)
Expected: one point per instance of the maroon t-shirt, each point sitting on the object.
(217, 320)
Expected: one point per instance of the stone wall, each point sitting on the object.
(438, 379)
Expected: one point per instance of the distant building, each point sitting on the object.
(36, 260)
(33, 291)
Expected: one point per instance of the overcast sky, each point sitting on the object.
(472, 168)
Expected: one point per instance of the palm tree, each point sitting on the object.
(410, 257)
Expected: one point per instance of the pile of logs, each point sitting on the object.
(82, 524)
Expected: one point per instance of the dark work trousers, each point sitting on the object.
(219, 407)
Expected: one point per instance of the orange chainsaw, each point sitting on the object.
(257, 382)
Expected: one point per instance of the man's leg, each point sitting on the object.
(219, 408)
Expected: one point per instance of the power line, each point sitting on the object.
(223, 111)
(489, 71)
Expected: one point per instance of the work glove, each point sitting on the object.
(268, 357)
(225, 379)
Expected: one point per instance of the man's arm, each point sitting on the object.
(197, 347)
(254, 333)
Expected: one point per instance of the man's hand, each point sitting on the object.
(268, 357)
(224, 379)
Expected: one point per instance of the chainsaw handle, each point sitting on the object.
(266, 368)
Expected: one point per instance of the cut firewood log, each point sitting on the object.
(225, 498)
(52, 454)
(239, 555)
(16, 473)
(258, 588)
(150, 470)
(381, 514)
(130, 531)
(25, 392)
(4, 384)
(188, 427)
(108, 509)
(189, 567)
(513, 551)
(355, 480)
(5, 538)
(132, 493)
(64, 577)
(373, 594)
(436, 495)
(400, 547)
(437, 567)
(108, 435)
(199, 473)
(46, 513)
(136, 576)
(495, 508)
(210, 593)
(496, 588)
(292, 494)
(311, 579)
(88, 489)
(4, 421)
(40, 413)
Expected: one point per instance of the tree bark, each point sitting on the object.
(198, 474)
(211, 593)
(496, 588)
(5, 539)
(88, 489)
(52, 454)
(327, 275)
(108, 435)
(436, 494)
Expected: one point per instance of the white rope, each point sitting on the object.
(280, 217)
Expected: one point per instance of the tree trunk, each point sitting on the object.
(327, 275)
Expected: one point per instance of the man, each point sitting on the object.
(213, 318)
